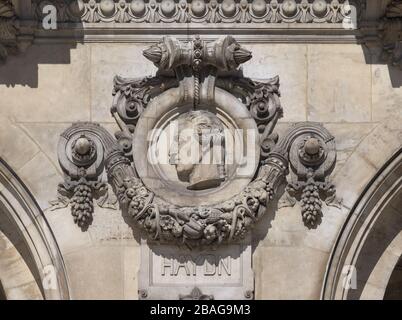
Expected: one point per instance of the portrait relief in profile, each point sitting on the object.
(198, 150)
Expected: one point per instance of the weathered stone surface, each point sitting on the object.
(131, 264)
(339, 85)
(371, 154)
(285, 228)
(95, 272)
(353, 178)
(16, 147)
(385, 139)
(348, 137)
(292, 272)
(108, 61)
(68, 236)
(37, 174)
(60, 86)
(45, 136)
(109, 226)
(387, 93)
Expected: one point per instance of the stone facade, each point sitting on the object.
(348, 80)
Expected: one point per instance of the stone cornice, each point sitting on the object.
(283, 21)
(251, 21)
(308, 21)
(203, 11)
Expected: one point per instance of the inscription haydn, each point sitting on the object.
(207, 265)
(171, 268)
(171, 272)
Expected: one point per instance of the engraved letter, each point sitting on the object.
(50, 20)
(166, 263)
(210, 265)
(181, 264)
(223, 265)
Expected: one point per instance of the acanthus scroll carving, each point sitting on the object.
(199, 89)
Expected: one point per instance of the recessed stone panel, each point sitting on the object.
(171, 272)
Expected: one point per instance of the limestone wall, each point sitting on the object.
(50, 86)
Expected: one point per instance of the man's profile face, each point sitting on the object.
(193, 143)
(188, 151)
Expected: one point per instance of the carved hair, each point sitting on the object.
(204, 122)
(207, 127)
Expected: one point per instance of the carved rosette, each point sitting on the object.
(193, 76)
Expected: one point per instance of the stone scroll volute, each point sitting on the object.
(197, 159)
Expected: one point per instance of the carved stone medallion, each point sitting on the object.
(196, 160)
(196, 156)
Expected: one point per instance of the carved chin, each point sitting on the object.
(184, 171)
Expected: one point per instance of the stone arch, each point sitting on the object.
(370, 242)
(394, 287)
(28, 241)
(16, 279)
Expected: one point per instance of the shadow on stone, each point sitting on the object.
(23, 69)
(373, 57)
(265, 223)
